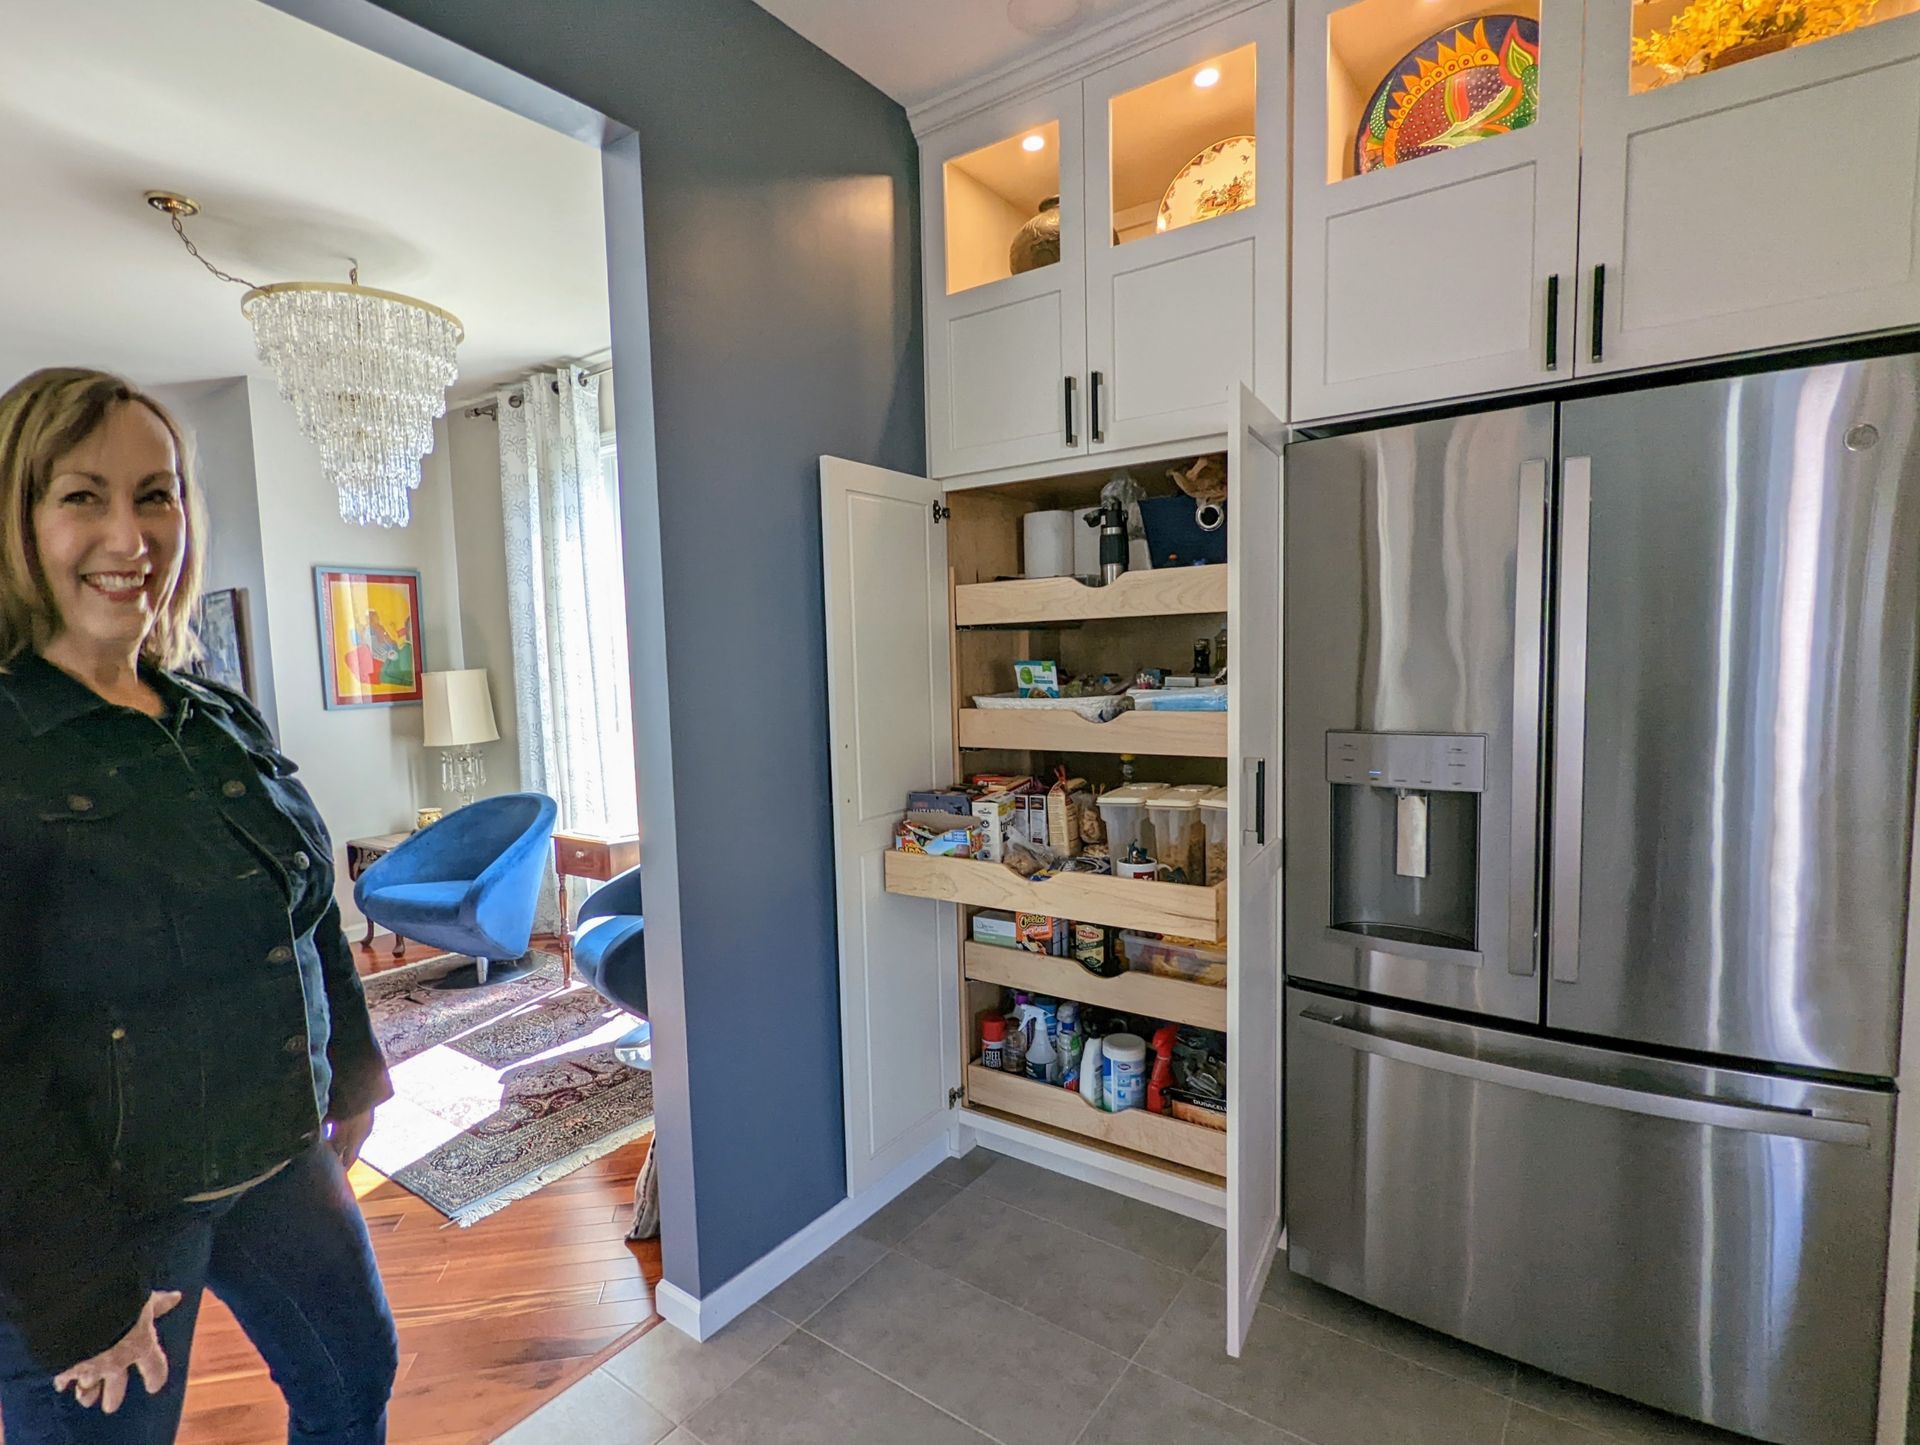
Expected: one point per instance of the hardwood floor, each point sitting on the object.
(494, 1320)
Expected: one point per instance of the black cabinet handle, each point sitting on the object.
(1093, 408)
(1072, 440)
(1553, 323)
(1599, 313)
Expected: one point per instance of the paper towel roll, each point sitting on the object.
(1049, 543)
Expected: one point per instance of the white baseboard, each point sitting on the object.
(704, 1317)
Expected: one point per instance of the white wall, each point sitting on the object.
(366, 767)
(217, 418)
(471, 446)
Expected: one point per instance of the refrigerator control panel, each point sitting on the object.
(1431, 762)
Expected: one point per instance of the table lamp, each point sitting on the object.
(459, 717)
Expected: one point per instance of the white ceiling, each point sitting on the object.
(302, 149)
(915, 50)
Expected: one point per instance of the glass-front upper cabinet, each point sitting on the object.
(1004, 203)
(1674, 40)
(1186, 268)
(1436, 195)
(1751, 176)
(1003, 208)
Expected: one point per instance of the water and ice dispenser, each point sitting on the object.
(1404, 836)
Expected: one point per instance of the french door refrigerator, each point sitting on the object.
(1600, 740)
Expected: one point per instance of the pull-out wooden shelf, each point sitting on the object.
(1185, 910)
(1167, 592)
(1203, 1005)
(1157, 1136)
(1049, 730)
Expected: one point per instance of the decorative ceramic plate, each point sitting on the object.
(1218, 180)
(1472, 81)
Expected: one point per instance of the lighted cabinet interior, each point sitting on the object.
(1675, 40)
(1003, 208)
(1409, 79)
(1181, 149)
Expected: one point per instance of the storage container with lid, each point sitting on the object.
(1124, 812)
(1178, 841)
(1213, 816)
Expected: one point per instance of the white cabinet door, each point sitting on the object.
(1253, 859)
(1006, 353)
(1436, 276)
(1182, 310)
(891, 729)
(1773, 202)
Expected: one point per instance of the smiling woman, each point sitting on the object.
(189, 1057)
(109, 556)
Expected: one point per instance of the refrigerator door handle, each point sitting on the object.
(1529, 603)
(1570, 714)
(1685, 1108)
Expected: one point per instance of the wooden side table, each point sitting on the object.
(587, 855)
(362, 854)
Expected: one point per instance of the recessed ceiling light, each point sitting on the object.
(1044, 17)
(1034, 143)
(1207, 75)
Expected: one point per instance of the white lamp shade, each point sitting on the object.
(459, 711)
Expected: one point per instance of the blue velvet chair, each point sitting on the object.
(612, 956)
(469, 883)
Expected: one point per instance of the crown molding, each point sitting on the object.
(1071, 59)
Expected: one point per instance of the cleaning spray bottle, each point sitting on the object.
(1090, 1068)
(1162, 1077)
(1041, 1056)
(1068, 1044)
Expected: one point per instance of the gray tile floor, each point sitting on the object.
(996, 1301)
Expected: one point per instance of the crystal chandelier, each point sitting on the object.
(365, 371)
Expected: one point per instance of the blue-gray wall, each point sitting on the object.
(781, 245)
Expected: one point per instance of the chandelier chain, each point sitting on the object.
(194, 251)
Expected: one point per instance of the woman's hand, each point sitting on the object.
(102, 1380)
(346, 1135)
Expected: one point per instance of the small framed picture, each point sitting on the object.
(370, 653)
(220, 622)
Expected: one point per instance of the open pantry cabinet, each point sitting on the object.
(925, 610)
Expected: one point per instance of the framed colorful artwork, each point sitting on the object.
(370, 653)
(220, 622)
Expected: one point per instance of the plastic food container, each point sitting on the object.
(1165, 958)
(1124, 812)
(1179, 699)
(1213, 816)
(1179, 841)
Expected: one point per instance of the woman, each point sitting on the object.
(186, 1061)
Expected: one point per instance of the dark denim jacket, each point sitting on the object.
(179, 1010)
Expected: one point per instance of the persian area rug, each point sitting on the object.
(498, 1092)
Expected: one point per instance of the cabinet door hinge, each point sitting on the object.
(953, 1097)
(941, 511)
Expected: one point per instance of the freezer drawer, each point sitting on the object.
(1708, 1241)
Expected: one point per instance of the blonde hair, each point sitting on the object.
(42, 418)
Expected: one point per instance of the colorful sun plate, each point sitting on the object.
(1472, 81)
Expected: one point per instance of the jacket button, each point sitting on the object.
(233, 787)
(119, 1034)
(80, 803)
(301, 860)
(282, 954)
(296, 1045)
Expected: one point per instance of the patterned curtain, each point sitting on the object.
(567, 604)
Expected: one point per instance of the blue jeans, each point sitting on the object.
(292, 1260)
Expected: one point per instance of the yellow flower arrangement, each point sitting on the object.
(1707, 29)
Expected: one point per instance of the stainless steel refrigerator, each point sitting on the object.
(1600, 741)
